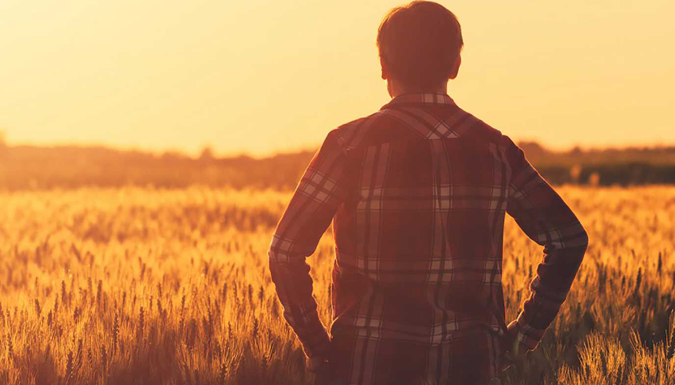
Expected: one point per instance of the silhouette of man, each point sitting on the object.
(417, 193)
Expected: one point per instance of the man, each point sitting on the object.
(417, 193)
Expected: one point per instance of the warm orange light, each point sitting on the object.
(261, 76)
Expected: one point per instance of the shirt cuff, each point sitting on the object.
(319, 346)
(527, 337)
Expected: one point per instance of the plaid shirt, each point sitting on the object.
(417, 193)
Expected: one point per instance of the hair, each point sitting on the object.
(419, 44)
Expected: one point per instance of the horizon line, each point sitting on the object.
(301, 149)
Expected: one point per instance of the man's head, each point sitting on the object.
(419, 46)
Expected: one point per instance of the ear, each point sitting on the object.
(455, 67)
(385, 71)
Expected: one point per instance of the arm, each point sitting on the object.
(309, 213)
(546, 219)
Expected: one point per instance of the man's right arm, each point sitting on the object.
(547, 220)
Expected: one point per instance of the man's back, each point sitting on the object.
(425, 229)
(418, 192)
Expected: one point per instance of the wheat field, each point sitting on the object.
(149, 286)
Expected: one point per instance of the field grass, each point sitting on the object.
(144, 286)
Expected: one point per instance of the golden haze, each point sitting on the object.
(261, 76)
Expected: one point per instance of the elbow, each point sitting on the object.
(273, 257)
(583, 237)
(581, 244)
(579, 240)
(575, 238)
(274, 266)
(273, 260)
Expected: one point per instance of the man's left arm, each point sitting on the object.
(318, 195)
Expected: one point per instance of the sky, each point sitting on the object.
(265, 76)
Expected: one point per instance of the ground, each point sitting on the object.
(144, 286)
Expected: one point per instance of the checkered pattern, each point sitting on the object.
(417, 193)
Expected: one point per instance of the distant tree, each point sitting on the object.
(533, 150)
(576, 150)
(172, 155)
(207, 154)
(3, 142)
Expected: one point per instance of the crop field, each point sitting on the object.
(170, 286)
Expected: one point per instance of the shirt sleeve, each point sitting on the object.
(547, 220)
(318, 195)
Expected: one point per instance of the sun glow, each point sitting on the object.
(264, 76)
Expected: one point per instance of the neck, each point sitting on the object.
(395, 89)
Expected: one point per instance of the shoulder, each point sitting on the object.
(351, 134)
(511, 152)
(485, 132)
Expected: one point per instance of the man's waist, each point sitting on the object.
(421, 333)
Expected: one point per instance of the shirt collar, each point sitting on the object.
(432, 98)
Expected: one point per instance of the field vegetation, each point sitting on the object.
(170, 286)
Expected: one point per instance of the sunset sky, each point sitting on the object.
(260, 76)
